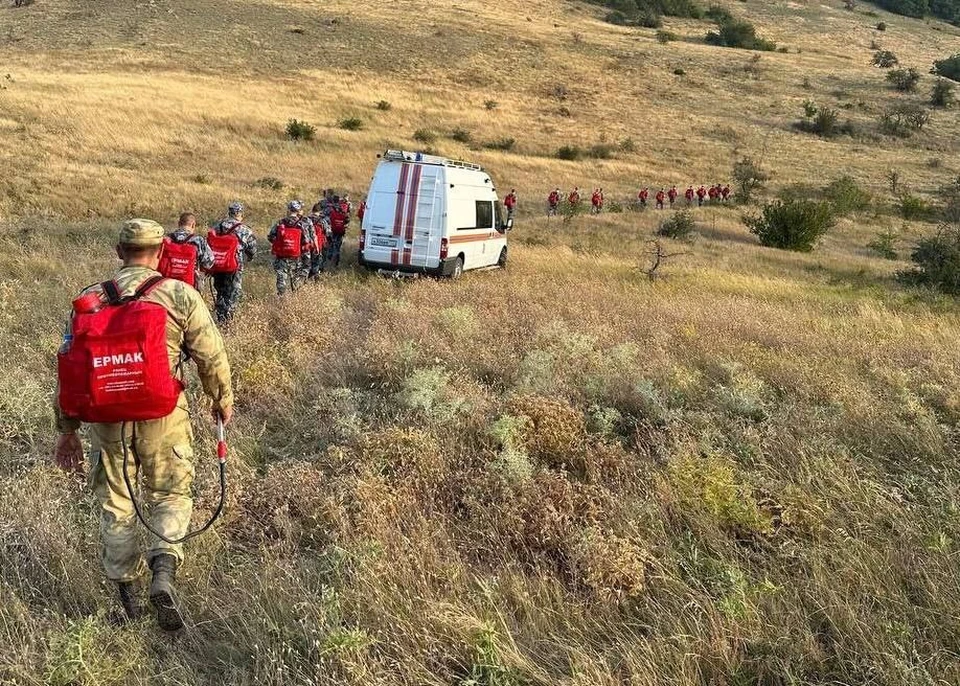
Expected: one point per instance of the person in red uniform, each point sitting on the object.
(660, 196)
(701, 194)
(725, 192)
(510, 202)
(688, 194)
(672, 195)
(713, 193)
(574, 197)
(553, 202)
(643, 195)
(596, 202)
(362, 210)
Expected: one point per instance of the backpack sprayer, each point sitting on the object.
(222, 462)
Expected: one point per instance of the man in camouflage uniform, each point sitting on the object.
(292, 271)
(161, 450)
(186, 232)
(229, 287)
(321, 228)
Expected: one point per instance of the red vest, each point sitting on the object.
(338, 222)
(554, 198)
(287, 241)
(116, 369)
(178, 261)
(224, 248)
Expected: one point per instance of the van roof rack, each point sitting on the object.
(423, 158)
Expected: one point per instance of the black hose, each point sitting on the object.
(136, 506)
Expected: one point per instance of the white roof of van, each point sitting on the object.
(423, 158)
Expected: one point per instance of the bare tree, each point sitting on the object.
(658, 256)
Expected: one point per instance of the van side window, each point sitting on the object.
(498, 215)
(484, 214)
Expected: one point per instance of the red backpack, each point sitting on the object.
(224, 248)
(116, 369)
(178, 260)
(286, 242)
(338, 223)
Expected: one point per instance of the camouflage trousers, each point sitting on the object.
(333, 249)
(160, 457)
(291, 272)
(228, 289)
(316, 263)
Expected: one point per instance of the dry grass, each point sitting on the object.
(563, 473)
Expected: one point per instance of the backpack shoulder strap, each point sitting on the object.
(148, 286)
(112, 291)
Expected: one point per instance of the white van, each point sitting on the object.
(430, 215)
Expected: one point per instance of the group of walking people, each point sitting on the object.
(302, 245)
(718, 193)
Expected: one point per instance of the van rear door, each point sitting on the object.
(423, 225)
(383, 219)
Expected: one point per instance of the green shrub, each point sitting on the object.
(679, 71)
(885, 59)
(748, 177)
(942, 93)
(719, 14)
(885, 245)
(384, 106)
(881, 26)
(793, 225)
(903, 120)
(665, 37)
(737, 33)
(461, 135)
(571, 153)
(948, 68)
(679, 227)
(425, 136)
(270, 183)
(351, 124)
(300, 130)
(913, 207)
(846, 196)
(904, 80)
(503, 144)
(490, 105)
(937, 261)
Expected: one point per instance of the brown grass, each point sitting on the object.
(561, 473)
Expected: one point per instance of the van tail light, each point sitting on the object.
(444, 248)
(363, 240)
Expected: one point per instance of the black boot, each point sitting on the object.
(163, 594)
(129, 593)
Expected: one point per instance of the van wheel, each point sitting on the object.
(502, 262)
(457, 269)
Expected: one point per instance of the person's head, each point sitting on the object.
(235, 211)
(140, 243)
(187, 222)
(317, 209)
(295, 208)
(329, 193)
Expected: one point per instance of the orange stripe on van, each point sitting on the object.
(401, 200)
(475, 238)
(412, 201)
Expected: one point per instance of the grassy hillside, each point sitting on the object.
(563, 473)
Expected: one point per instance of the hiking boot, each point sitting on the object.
(163, 594)
(132, 609)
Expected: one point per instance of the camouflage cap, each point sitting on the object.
(141, 232)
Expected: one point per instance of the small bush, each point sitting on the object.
(300, 130)
(201, 179)
(502, 144)
(885, 245)
(425, 136)
(881, 26)
(937, 261)
(490, 105)
(904, 80)
(679, 227)
(796, 225)
(942, 94)
(749, 177)
(846, 196)
(903, 120)
(736, 33)
(461, 135)
(384, 106)
(664, 37)
(351, 124)
(719, 14)
(571, 153)
(885, 59)
(627, 145)
(600, 151)
(913, 207)
(810, 109)
(679, 71)
(564, 111)
(948, 68)
(270, 183)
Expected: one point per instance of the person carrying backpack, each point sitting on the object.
(642, 196)
(185, 253)
(660, 196)
(553, 202)
(321, 226)
(232, 244)
(510, 202)
(291, 239)
(121, 370)
(688, 194)
(672, 195)
(339, 221)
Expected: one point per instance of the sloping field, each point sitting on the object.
(562, 473)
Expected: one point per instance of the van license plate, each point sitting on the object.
(383, 242)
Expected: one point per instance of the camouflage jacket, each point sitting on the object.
(191, 334)
(248, 242)
(308, 239)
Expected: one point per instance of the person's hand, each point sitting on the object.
(224, 415)
(69, 453)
